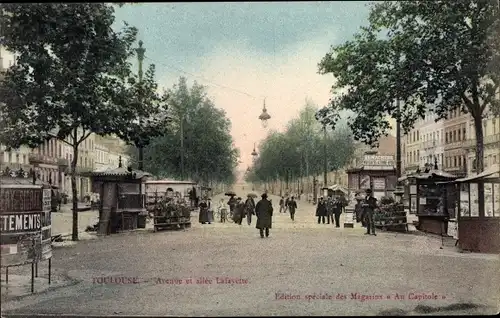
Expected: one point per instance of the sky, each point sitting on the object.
(244, 52)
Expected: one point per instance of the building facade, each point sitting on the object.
(108, 152)
(491, 141)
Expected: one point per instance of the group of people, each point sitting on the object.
(330, 208)
(288, 204)
(240, 209)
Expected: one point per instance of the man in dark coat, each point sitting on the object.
(282, 204)
(369, 207)
(264, 212)
(321, 210)
(330, 208)
(249, 209)
(338, 206)
(292, 206)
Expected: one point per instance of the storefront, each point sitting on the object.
(479, 225)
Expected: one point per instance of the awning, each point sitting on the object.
(490, 172)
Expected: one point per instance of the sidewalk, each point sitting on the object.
(20, 285)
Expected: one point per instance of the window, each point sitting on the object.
(459, 161)
(495, 159)
(454, 136)
(459, 135)
(24, 159)
(464, 134)
(447, 137)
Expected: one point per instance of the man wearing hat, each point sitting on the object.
(369, 206)
(264, 212)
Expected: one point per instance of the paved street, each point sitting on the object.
(62, 220)
(235, 272)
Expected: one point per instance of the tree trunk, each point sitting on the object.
(74, 234)
(478, 123)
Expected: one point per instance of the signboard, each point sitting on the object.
(25, 224)
(375, 160)
(453, 229)
(46, 225)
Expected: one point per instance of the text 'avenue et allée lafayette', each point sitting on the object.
(125, 280)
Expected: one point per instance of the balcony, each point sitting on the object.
(429, 144)
(488, 140)
(17, 166)
(35, 158)
(79, 171)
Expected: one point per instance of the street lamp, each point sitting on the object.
(254, 153)
(140, 57)
(264, 116)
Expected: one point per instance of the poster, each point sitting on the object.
(488, 199)
(413, 204)
(453, 229)
(413, 189)
(365, 182)
(496, 199)
(379, 183)
(474, 202)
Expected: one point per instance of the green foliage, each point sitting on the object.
(209, 154)
(433, 56)
(72, 77)
(299, 151)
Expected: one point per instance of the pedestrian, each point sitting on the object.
(232, 204)
(337, 210)
(264, 213)
(369, 207)
(286, 203)
(282, 205)
(203, 214)
(330, 207)
(358, 209)
(249, 209)
(239, 211)
(321, 210)
(210, 211)
(292, 206)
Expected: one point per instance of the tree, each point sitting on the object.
(198, 143)
(71, 77)
(433, 56)
(299, 150)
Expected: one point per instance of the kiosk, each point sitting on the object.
(122, 192)
(479, 225)
(431, 198)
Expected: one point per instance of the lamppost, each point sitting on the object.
(254, 159)
(264, 116)
(140, 57)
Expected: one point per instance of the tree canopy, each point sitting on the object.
(208, 153)
(432, 56)
(72, 77)
(299, 150)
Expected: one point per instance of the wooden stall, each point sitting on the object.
(479, 224)
(431, 199)
(122, 203)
